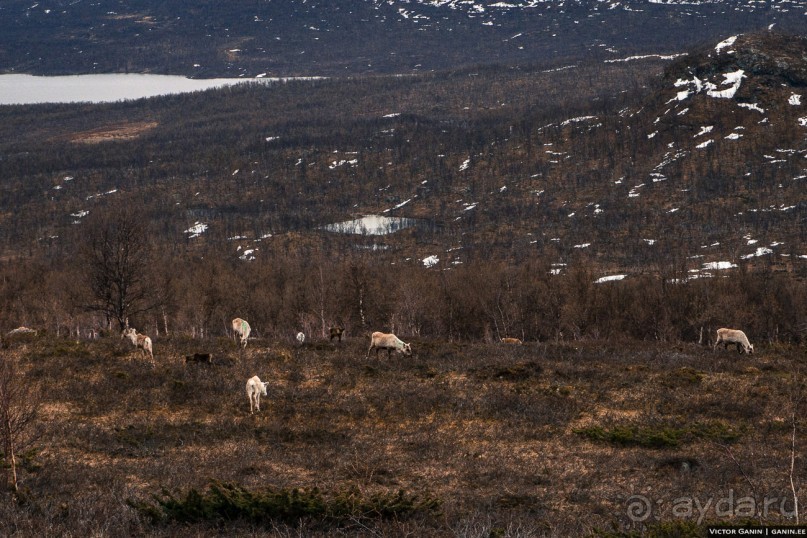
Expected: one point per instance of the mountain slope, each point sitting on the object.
(689, 171)
(721, 142)
(211, 38)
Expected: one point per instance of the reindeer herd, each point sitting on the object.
(386, 341)
(379, 341)
(241, 331)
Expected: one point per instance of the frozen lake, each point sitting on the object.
(106, 88)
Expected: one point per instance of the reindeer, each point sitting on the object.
(139, 340)
(390, 342)
(203, 358)
(255, 388)
(336, 332)
(241, 330)
(301, 337)
(733, 336)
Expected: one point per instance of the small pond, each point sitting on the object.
(371, 225)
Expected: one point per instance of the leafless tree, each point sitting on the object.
(19, 402)
(796, 398)
(118, 259)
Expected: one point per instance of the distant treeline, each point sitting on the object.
(482, 301)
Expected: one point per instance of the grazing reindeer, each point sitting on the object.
(21, 330)
(301, 337)
(390, 342)
(241, 330)
(515, 341)
(255, 389)
(733, 336)
(139, 340)
(336, 332)
(204, 358)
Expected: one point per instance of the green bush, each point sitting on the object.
(224, 502)
(633, 436)
(660, 436)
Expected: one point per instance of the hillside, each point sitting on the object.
(703, 162)
(209, 38)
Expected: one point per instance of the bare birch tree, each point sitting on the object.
(118, 260)
(19, 402)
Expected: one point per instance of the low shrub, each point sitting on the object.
(223, 502)
(660, 436)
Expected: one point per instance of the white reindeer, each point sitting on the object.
(139, 340)
(733, 336)
(301, 337)
(390, 342)
(255, 389)
(241, 329)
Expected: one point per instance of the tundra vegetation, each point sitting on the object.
(467, 438)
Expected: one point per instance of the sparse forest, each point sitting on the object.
(480, 301)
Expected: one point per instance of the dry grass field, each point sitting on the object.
(542, 439)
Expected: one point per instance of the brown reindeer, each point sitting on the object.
(336, 332)
(204, 358)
